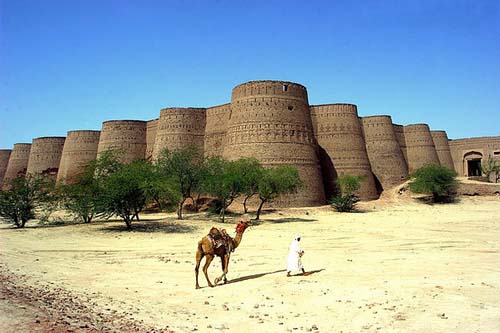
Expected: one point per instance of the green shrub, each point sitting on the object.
(435, 180)
(347, 199)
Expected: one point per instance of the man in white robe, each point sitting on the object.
(294, 257)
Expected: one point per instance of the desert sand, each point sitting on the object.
(397, 266)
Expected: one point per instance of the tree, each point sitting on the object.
(491, 166)
(436, 180)
(223, 180)
(18, 203)
(275, 182)
(347, 199)
(123, 191)
(183, 168)
(250, 171)
(159, 189)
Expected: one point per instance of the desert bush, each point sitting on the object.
(346, 200)
(435, 180)
(491, 167)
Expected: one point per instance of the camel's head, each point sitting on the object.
(242, 225)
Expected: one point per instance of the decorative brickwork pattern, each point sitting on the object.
(338, 133)
(4, 160)
(215, 132)
(80, 148)
(419, 146)
(128, 136)
(440, 140)
(179, 128)
(45, 156)
(270, 120)
(386, 158)
(150, 138)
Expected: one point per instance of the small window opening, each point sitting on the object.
(496, 153)
(285, 87)
(290, 107)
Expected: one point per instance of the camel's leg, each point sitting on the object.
(208, 260)
(225, 263)
(199, 256)
(226, 267)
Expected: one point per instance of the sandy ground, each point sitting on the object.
(398, 266)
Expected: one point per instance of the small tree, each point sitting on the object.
(491, 167)
(347, 185)
(436, 180)
(275, 182)
(183, 168)
(250, 171)
(123, 192)
(18, 203)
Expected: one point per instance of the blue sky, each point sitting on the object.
(68, 65)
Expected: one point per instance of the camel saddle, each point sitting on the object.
(219, 239)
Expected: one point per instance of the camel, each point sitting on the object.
(207, 248)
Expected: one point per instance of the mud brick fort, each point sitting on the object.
(273, 122)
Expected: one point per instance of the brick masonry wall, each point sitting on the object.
(128, 136)
(216, 128)
(420, 148)
(45, 156)
(4, 160)
(80, 148)
(337, 130)
(440, 140)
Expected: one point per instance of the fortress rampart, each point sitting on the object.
(178, 128)
(273, 122)
(338, 132)
(128, 136)
(384, 152)
(18, 162)
(45, 156)
(440, 140)
(420, 148)
(80, 148)
(4, 160)
(270, 121)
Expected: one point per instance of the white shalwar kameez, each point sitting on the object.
(294, 260)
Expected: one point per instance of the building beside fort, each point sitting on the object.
(273, 122)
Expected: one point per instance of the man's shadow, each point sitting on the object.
(256, 276)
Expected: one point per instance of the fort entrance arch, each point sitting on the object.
(472, 163)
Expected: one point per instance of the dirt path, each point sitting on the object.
(397, 267)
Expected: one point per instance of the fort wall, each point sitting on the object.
(270, 121)
(420, 148)
(216, 128)
(127, 136)
(45, 156)
(342, 147)
(399, 131)
(4, 160)
(465, 149)
(386, 158)
(440, 140)
(80, 148)
(179, 128)
(18, 162)
(151, 128)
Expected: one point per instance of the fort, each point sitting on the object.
(274, 122)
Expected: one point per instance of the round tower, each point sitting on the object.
(215, 131)
(18, 162)
(4, 160)
(179, 128)
(45, 156)
(126, 136)
(270, 120)
(80, 148)
(420, 148)
(440, 140)
(386, 159)
(399, 131)
(151, 127)
(342, 147)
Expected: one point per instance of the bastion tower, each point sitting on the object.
(440, 140)
(18, 162)
(338, 131)
(385, 155)
(420, 148)
(80, 148)
(270, 121)
(179, 128)
(128, 136)
(45, 156)
(4, 160)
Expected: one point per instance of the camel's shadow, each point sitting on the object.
(254, 276)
